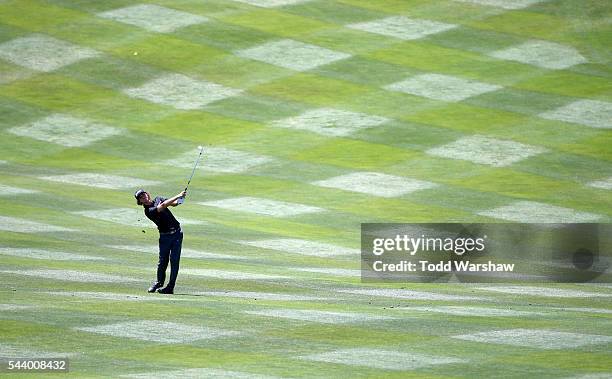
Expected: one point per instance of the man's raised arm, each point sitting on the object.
(171, 202)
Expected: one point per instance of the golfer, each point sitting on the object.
(170, 236)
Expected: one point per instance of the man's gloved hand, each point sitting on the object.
(181, 198)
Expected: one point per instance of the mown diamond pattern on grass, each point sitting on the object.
(153, 17)
(536, 338)
(46, 254)
(354, 273)
(12, 351)
(43, 53)
(198, 373)
(331, 122)
(442, 87)
(220, 159)
(159, 331)
(185, 252)
(261, 295)
(485, 150)
(90, 179)
(65, 130)
(543, 54)
(593, 113)
(381, 359)
(325, 317)
(230, 275)
(375, 183)
(262, 206)
(11, 191)
(19, 225)
(181, 92)
(73, 276)
(403, 27)
(534, 212)
(472, 311)
(505, 4)
(271, 3)
(128, 216)
(544, 291)
(408, 294)
(602, 184)
(292, 54)
(304, 247)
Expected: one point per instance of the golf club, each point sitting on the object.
(201, 148)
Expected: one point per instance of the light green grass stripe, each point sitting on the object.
(94, 102)
(284, 24)
(529, 24)
(335, 12)
(35, 15)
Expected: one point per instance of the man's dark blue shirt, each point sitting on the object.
(164, 220)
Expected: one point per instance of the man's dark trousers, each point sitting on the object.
(169, 251)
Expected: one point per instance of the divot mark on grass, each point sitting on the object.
(230, 275)
(43, 53)
(11, 191)
(442, 87)
(403, 27)
(505, 4)
(304, 247)
(100, 180)
(486, 150)
(153, 18)
(544, 291)
(46, 254)
(65, 130)
(324, 317)
(375, 183)
(592, 113)
(129, 216)
(534, 212)
(265, 207)
(381, 359)
(220, 159)
(536, 338)
(292, 54)
(73, 276)
(159, 331)
(181, 92)
(331, 122)
(409, 294)
(543, 54)
(261, 295)
(19, 225)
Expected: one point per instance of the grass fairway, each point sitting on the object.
(316, 116)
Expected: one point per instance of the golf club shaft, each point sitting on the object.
(194, 168)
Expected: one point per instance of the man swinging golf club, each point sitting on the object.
(170, 233)
(170, 236)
